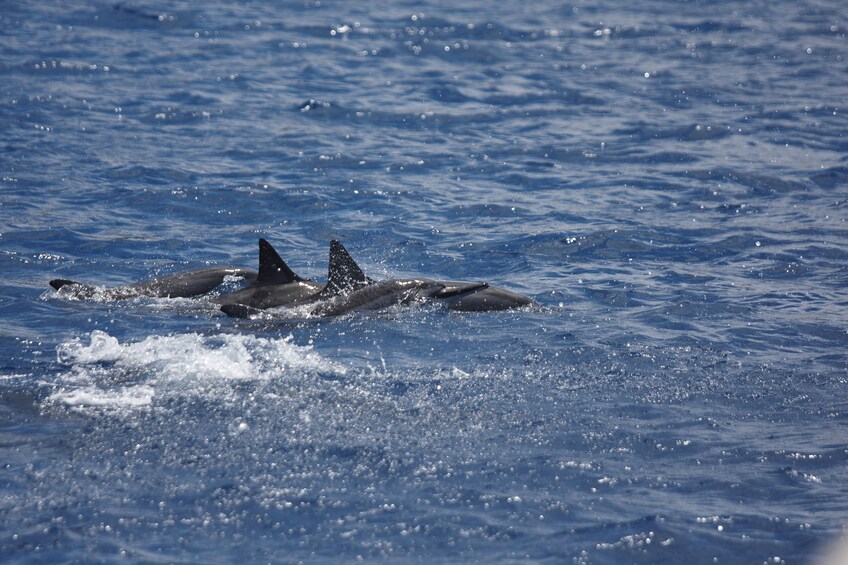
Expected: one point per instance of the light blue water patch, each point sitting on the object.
(668, 181)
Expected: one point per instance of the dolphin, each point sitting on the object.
(348, 289)
(276, 285)
(179, 285)
(457, 296)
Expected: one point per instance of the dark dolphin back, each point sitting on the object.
(190, 283)
(488, 299)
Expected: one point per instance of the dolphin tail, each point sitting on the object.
(74, 289)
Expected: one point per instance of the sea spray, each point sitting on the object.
(107, 373)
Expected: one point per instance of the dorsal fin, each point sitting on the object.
(343, 274)
(272, 268)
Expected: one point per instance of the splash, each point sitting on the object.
(109, 374)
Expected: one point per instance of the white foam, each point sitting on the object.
(107, 373)
(122, 397)
(103, 347)
(13, 377)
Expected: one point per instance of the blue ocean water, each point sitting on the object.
(669, 180)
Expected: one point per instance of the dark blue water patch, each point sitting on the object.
(150, 175)
(831, 178)
(697, 132)
(133, 18)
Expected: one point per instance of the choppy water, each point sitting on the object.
(668, 179)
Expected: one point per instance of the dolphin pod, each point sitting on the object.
(348, 289)
(277, 286)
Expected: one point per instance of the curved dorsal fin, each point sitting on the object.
(272, 268)
(343, 274)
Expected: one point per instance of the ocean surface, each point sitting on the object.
(667, 179)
